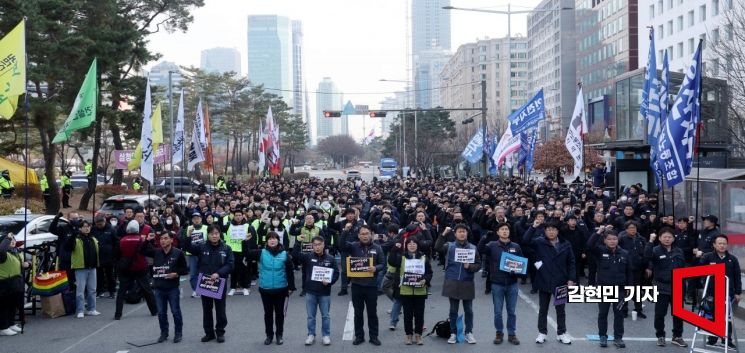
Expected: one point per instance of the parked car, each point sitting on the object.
(353, 174)
(116, 204)
(36, 227)
(182, 184)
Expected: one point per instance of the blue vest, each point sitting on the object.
(454, 270)
(272, 270)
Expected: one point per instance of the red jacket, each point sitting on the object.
(129, 247)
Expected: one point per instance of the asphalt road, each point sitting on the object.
(245, 330)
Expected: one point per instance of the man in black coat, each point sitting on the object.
(107, 240)
(555, 262)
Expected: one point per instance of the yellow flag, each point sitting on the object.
(157, 126)
(12, 69)
(136, 158)
(157, 136)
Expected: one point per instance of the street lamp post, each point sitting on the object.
(173, 133)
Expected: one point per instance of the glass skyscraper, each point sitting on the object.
(430, 32)
(270, 54)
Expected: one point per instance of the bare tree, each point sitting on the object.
(727, 50)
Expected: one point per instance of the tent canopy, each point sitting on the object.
(16, 172)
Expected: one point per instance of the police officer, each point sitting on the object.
(66, 189)
(44, 186)
(89, 169)
(6, 186)
(663, 259)
(614, 269)
(137, 185)
(215, 260)
(220, 185)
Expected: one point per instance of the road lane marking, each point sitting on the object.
(549, 319)
(101, 329)
(349, 324)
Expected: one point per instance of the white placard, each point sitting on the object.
(465, 256)
(238, 233)
(321, 274)
(414, 266)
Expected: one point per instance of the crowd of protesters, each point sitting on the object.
(259, 234)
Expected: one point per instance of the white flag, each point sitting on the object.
(261, 150)
(506, 146)
(178, 135)
(146, 139)
(199, 127)
(577, 127)
(196, 154)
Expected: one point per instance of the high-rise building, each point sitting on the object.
(430, 25)
(159, 74)
(270, 54)
(552, 64)
(297, 69)
(678, 27)
(328, 97)
(606, 43)
(427, 67)
(487, 60)
(430, 47)
(221, 60)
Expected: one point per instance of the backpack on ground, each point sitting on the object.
(441, 328)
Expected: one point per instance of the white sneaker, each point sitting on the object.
(246, 291)
(310, 340)
(452, 339)
(232, 292)
(470, 339)
(193, 294)
(15, 328)
(92, 313)
(541, 338)
(8, 332)
(80, 315)
(564, 338)
(326, 340)
(253, 283)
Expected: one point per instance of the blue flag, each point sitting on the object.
(531, 152)
(522, 155)
(491, 144)
(675, 146)
(528, 115)
(649, 109)
(475, 148)
(664, 110)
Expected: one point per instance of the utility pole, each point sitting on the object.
(484, 165)
(173, 133)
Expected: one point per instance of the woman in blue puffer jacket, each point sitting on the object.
(276, 283)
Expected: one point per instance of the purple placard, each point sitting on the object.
(209, 288)
(561, 295)
(122, 157)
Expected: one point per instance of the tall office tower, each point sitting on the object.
(270, 54)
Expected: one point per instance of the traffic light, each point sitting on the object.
(377, 114)
(332, 113)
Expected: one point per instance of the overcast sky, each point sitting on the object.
(355, 42)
